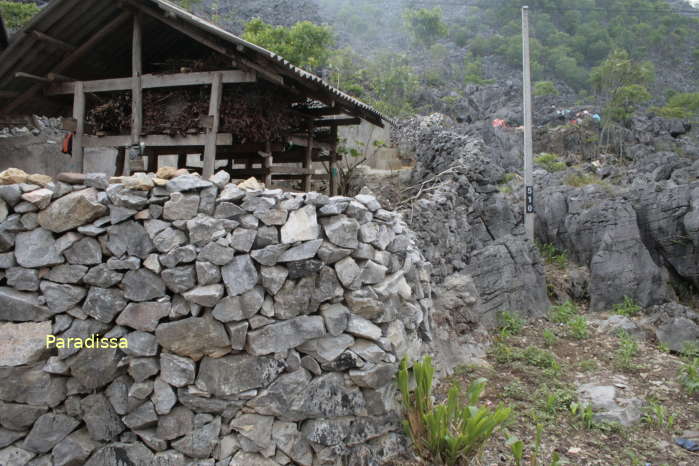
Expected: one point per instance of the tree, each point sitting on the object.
(544, 88)
(187, 4)
(16, 15)
(425, 25)
(304, 44)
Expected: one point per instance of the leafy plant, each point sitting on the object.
(450, 432)
(583, 412)
(682, 105)
(425, 25)
(689, 376)
(627, 350)
(657, 416)
(563, 313)
(16, 14)
(549, 337)
(627, 308)
(588, 364)
(544, 88)
(577, 328)
(550, 162)
(578, 180)
(553, 255)
(510, 323)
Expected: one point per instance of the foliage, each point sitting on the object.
(583, 412)
(683, 105)
(657, 416)
(510, 323)
(449, 433)
(549, 337)
(517, 450)
(392, 80)
(577, 328)
(627, 351)
(627, 308)
(550, 162)
(689, 376)
(563, 313)
(425, 25)
(579, 180)
(473, 71)
(553, 255)
(16, 15)
(544, 88)
(304, 44)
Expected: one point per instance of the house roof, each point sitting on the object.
(3, 35)
(167, 29)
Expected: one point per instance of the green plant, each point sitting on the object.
(550, 162)
(680, 105)
(544, 88)
(588, 365)
(627, 351)
(425, 25)
(510, 323)
(690, 349)
(540, 358)
(516, 391)
(450, 432)
(579, 180)
(16, 14)
(549, 337)
(689, 376)
(563, 313)
(627, 308)
(584, 413)
(517, 447)
(577, 328)
(553, 255)
(657, 416)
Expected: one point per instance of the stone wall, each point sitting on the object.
(262, 327)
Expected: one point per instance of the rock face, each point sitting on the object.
(256, 327)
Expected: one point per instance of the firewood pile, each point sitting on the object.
(252, 113)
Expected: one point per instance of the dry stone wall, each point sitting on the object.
(171, 320)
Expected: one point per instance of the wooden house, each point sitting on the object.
(151, 79)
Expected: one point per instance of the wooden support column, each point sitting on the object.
(267, 164)
(307, 163)
(333, 155)
(79, 116)
(182, 160)
(136, 92)
(120, 160)
(214, 107)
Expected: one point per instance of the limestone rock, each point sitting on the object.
(176, 370)
(143, 316)
(232, 375)
(279, 337)
(49, 430)
(341, 231)
(104, 304)
(194, 337)
(37, 248)
(181, 206)
(16, 306)
(142, 285)
(239, 275)
(302, 225)
(71, 211)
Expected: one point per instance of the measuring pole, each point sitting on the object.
(527, 107)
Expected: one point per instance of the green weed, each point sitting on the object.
(510, 323)
(577, 328)
(627, 308)
(553, 255)
(689, 376)
(563, 313)
(550, 338)
(626, 352)
(550, 162)
(657, 416)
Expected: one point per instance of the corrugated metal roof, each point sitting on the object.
(75, 21)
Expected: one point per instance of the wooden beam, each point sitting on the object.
(8, 94)
(56, 77)
(303, 142)
(214, 109)
(136, 89)
(154, 81)
(331, 164)
(79, 116)
(69, 60)
(191, 141)
(57, 43)
(267, 164)
(309, 158)
(31, 77)
(337, 122)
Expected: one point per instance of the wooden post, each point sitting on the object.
(333, 154)
(136, 89)
(79, 115)
(120, 161)
(307, 163)
(214, 107)
(182, 160)
(527, 107)
(267, 164)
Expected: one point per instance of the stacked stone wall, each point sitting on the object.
(169, 320)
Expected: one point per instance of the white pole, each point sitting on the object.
(527, 107)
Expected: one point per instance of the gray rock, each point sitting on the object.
(142, 285)
(104, 304)
(176, 370)
(130, 263)
(60, 298)
(239, 275)
(242, 239)
(220, 179)
(86, 251)
(273, 278)
(277, 338)
(117, 454)
(369, 201)
(347, 271)
(179, 279)
(186, 183)
(131, 238)
(143, 316)
(102, 277)
(95, 369)
(366, 303)
(19, 417)
(336, 317)
(142, 417)
(16, 306)
(307, 362)
(299, 269)
(7, 259)
(71, 211)
(608, 406)
(22, 279)
(179, 422)
(141, 344)
(326, 349)
(181, 255)
(238, 333)
(617, 323)
(256, 428)
(368, 351)
(119, 214)
(70, 274)
(29, 384)
(36, 248)
(101, 420)
(29, 221)
(207, 200)
(96, 180)
(301, 252)
(326, 396)
(207, 273)
(163, 398)
(152, 263)
(207, 296)
(253, 203)
(48, 431)
(237, 308)
(8, 437)
(232, 375)
(363, 328)
(294, 298)
(216, 254)
(168, 239)
(194, 337)
(678, 333)
(276, 216)
(251, 459)
(228, 210)
(302, 225)
(14, 455)
(203, 229)
(200, 443)
(266, 235)
(374, 377)
(269, 255)
(74, 449)
(335, 207)
(181, 206)
(373, 273)
(10, 193)
(341, 231)
(140, 369)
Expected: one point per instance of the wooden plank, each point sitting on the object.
(331, 164)
(303, 142)
(155, 81)
(69, 60)
(31, 77)
(136, 90)
(267, 165)
(214, 108)
(79, 116)
(57, 43)
(120, 160)
(8, 94)
(284, 170)
(182, 160)
(309, 158)
(337, 122)
(159, 140)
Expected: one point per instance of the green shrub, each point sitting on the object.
(550, 162)
(689, 376)
(627, 308)
(682, 105)
(627, 351)
(657, 416)
(580, 180)
(544, 88)
(16, 15)
(563, 313)
(553, 255)
(450, 433)
(549, 337)
(510, 323)
(425, 25)
(577, 328)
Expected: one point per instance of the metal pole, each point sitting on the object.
(527, 107)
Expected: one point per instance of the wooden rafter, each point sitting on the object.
(59, 44)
